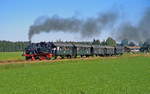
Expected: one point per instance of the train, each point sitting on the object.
(53, 50)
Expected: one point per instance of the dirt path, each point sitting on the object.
(66, 59)
(50, 61)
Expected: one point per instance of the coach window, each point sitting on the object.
(58, 48)
(66, 48)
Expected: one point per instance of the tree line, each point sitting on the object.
(8, 46)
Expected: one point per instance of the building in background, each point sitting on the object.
(132, 48)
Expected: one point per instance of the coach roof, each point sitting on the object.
(99, 46)
(63, 44)
(82, 45)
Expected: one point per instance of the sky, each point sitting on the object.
(16, 16)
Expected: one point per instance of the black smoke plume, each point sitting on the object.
(88, 28)
(137, 33)
(93, 26)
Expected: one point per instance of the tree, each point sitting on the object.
(147, 43)
(110, 42)
(96, 42)
(103, 43)
(132, 44)
(124, 42)
(8, 46)
(146, 46)
(140, 43)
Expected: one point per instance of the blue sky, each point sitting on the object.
(16, 16)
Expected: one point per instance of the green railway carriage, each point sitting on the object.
(119, 50)
(109, 50)
(83, 50)
(99, 50)
(63, 49)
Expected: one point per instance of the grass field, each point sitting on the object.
(11, 56)
(118, 75)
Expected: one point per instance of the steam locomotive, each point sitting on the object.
(49, 50)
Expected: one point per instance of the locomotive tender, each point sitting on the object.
(49, 50)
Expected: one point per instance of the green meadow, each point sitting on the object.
(111, 75)
(11, 56)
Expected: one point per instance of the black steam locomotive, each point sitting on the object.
(49, 50)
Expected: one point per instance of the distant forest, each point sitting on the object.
(8, 46)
